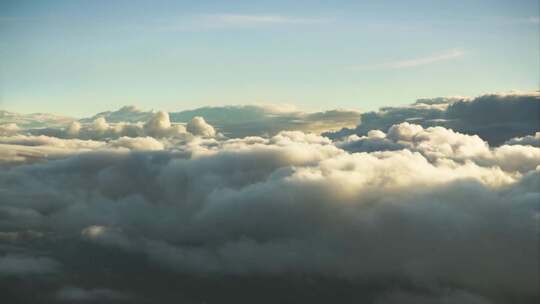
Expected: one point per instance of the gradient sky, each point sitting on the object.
(79, 57)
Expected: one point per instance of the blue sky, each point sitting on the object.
(80, 57)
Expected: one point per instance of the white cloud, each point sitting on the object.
(158, 126)
(440, 144)
(249, 20)
(534, 20)
(421, 209)
(231, 21)
(198, 126)
(409, 63)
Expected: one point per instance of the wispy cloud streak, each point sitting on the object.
(409, 63)
(237, 19)
(533, 20)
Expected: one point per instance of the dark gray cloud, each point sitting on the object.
(20, 265)
(436, 297)
(496, 118)
(529, 140)
(98, 295)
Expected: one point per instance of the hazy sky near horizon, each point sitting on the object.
(81, 57)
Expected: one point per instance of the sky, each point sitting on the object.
(80, 57)
(434, 201)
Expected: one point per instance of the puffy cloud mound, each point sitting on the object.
(246, 120)
(496, 118)
(412, 214)
(198, 126)
(157, 126)
(439, 144)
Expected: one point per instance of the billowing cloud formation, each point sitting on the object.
(496, 118)
(198, 126)
(248, 120)
(435, 143)
(233, 121)
(419, 209)
(157, 126)
(101, 211)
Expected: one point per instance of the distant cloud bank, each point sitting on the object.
(494, 117)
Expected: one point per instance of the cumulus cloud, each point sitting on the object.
(246, 120)
(440, 144)
(496, 118)
(157, 126)
(233, 121)
(429, 212)
(198, 126)
(20, 146)
(408, 213)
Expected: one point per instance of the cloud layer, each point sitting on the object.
(409, 213)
